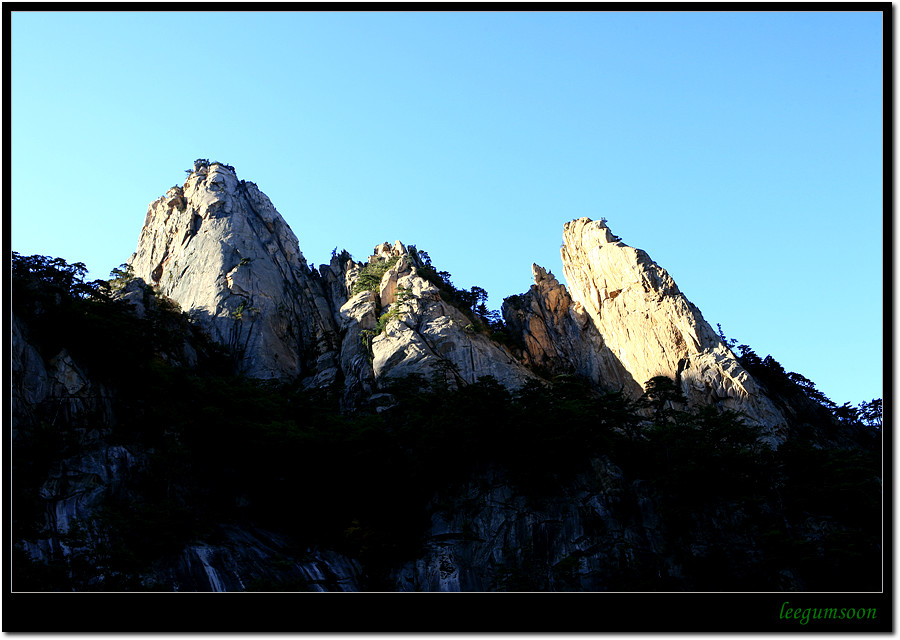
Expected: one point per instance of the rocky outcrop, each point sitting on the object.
(603, 532)
(245, 558)
(30, 382)
(410, 329)
(652, 328)
(56, 396)
(74, 493)
(219, 248)
(558, 337)
(56, 391)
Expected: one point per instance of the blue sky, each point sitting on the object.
(742, 151)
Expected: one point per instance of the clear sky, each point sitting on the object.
(742, 151)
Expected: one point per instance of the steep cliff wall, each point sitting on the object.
(220, 249)
(559, 338)
(652, 328)
(414, 331)
(58, 407)
(603, 532)
(124, 443)
(247, 558)
(56, 391)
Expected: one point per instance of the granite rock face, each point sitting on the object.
(56, 394)
(604, 532)
(30, 381)
(652, 328)
(56, 391)
(414, 331)
(76, 491)
(219, 248)
(559, 338)
(246, 558)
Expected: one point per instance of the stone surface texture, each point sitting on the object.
(491, 537)
(421, 334)
(652, 328)
(56, 391)
(219, 248)
(247, 558)
(559, 338)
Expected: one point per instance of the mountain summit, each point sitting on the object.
(218, 247)
(652, 328)
(220, 416)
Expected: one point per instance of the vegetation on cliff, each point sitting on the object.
(224, 448)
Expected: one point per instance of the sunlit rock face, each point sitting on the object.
(558, 337)
(652, 328)
(219, 248)
(416, 332)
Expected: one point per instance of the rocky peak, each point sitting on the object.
(557, 336)
(219, 248)
(397, 321)
(385, 251)
(651, 327)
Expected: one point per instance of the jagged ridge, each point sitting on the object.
(563, 486)
(219, 248)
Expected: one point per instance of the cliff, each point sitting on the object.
(653, 329)
(220, 416)
(219, 248)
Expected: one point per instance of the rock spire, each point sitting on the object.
(651, 327)
(220, 249)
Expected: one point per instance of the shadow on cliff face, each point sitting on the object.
(606, 493)
(708, 510)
